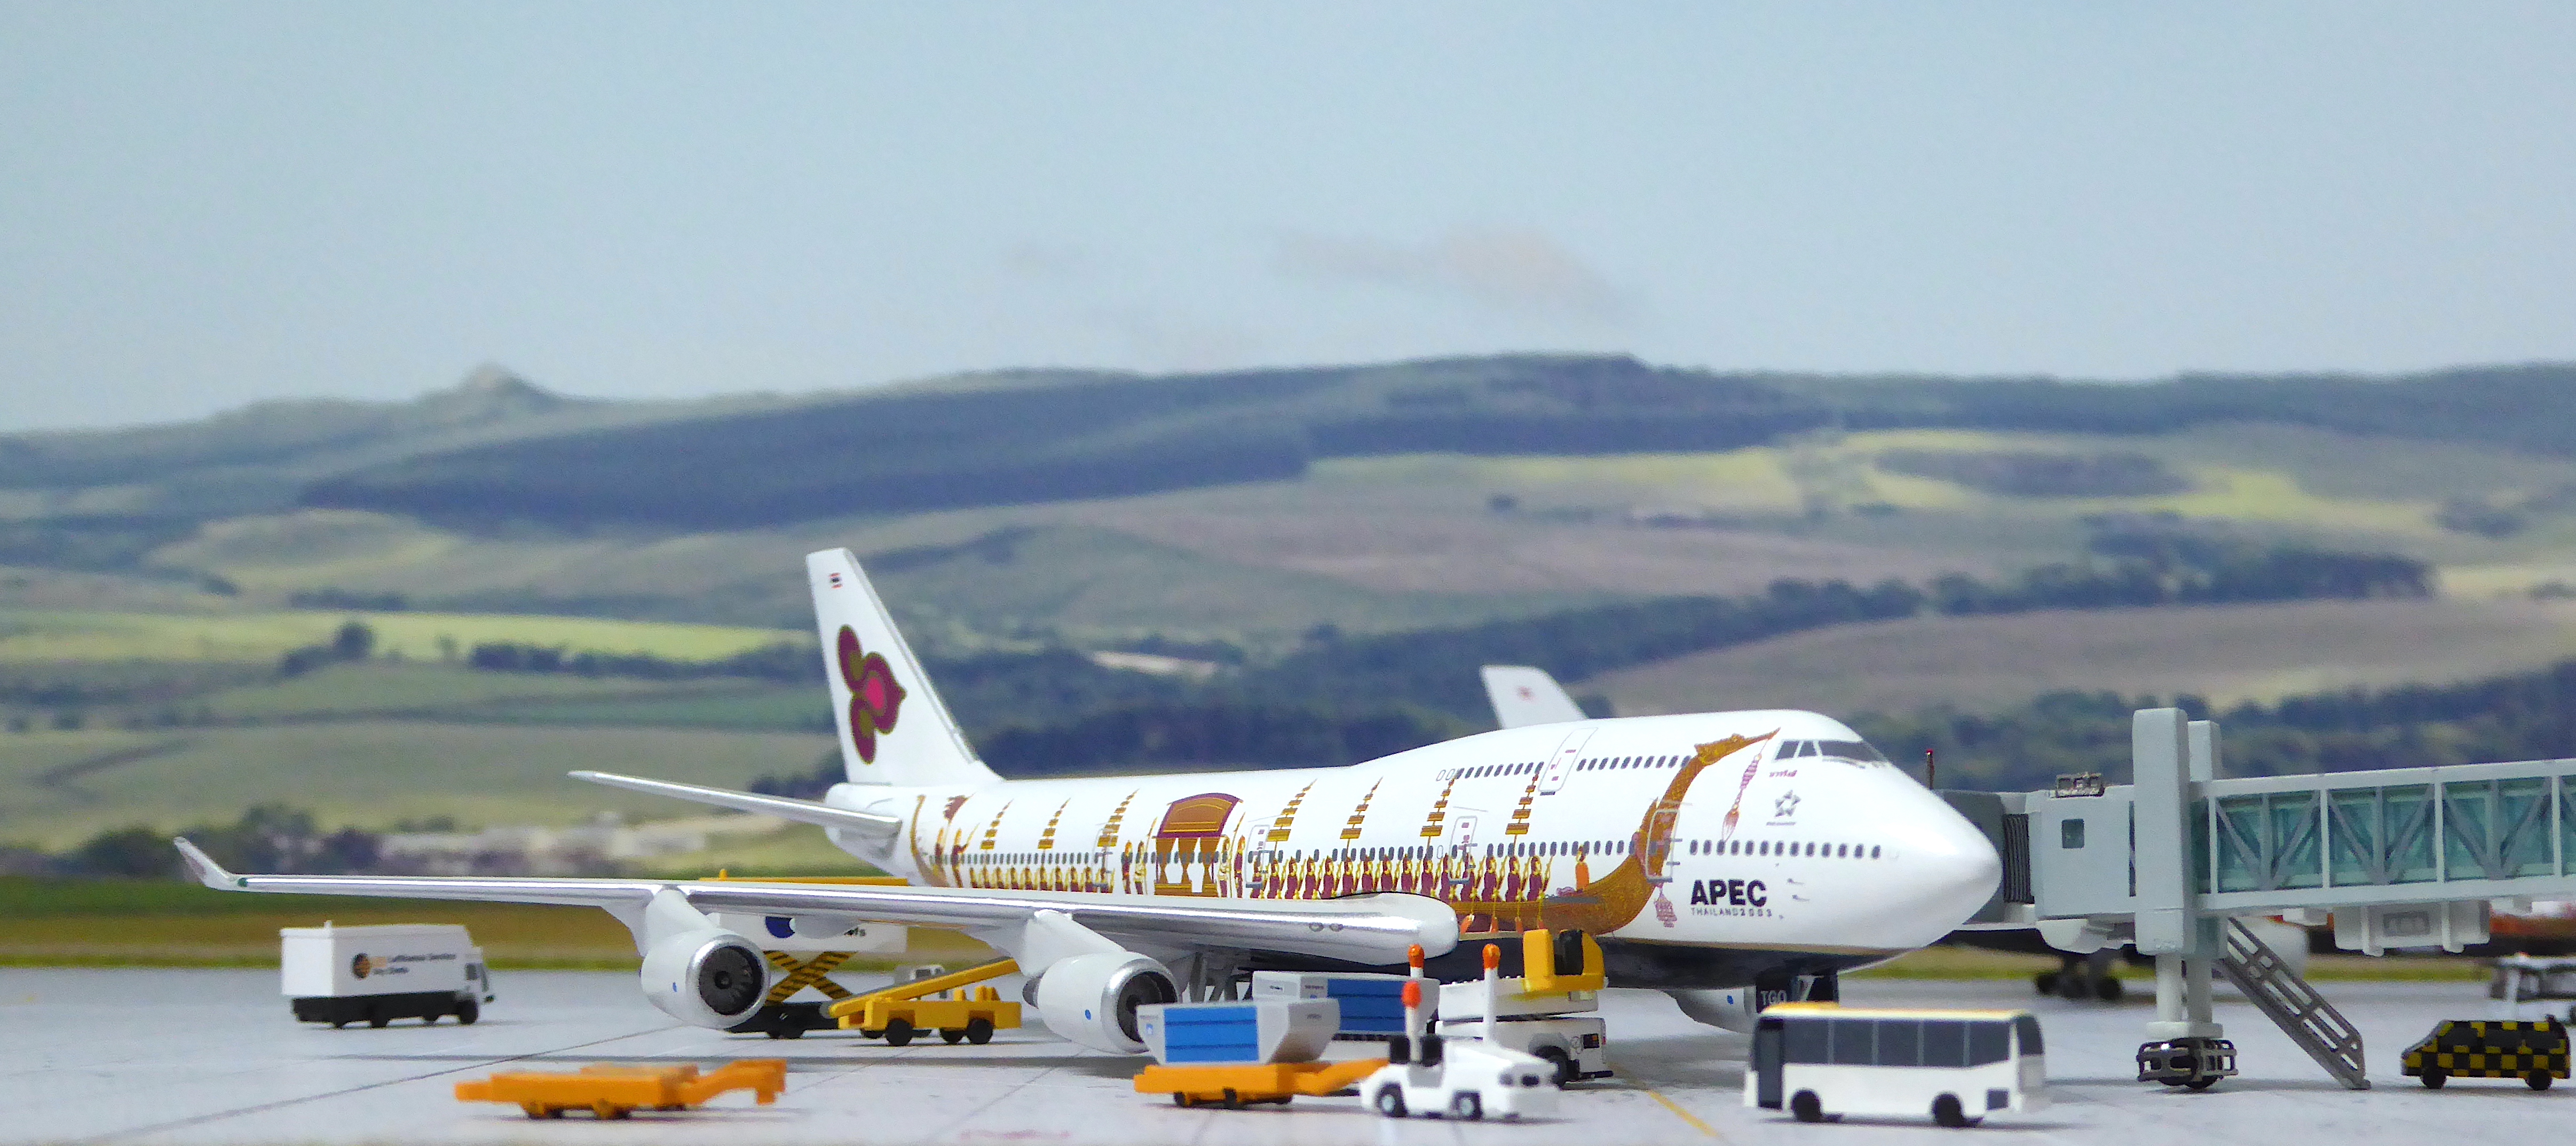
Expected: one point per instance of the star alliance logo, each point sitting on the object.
(1786, 806)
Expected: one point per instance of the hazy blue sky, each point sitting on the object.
(205, 204)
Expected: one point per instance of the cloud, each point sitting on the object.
(1515, 271)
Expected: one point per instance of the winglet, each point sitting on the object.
(207, 871)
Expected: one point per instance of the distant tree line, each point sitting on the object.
(266, 838)
(2016, 473)
(352, 641)
(784, 663)
(370, 602)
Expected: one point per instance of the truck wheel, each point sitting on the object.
(1390, 1100)
(1468, 1106)
(898, 1032)
(2109, 989)
(1232, 1100)
(1564, 1064)
(468, 1011)
(951, 1035)
(979, 1031)
(2045, 982)
(1805, 1107)
(1945, 1111)
(2434, 1077)
(2537, 1080)
(376, 1017)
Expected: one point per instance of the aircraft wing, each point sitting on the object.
(1372, 929)
(783, 807)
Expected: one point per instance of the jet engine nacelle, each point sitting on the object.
(1730, 1008)
(706, 978)
(1092, 999)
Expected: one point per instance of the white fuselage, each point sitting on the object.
(1698, 830)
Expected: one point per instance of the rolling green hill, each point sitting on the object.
(1344, 533)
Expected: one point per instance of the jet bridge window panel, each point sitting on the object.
(2566, 826)
(2382, 834)
(2265, 841)
(2496, 829)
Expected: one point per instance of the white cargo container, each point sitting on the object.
(343, 975)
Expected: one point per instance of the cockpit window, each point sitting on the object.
(1848, 750)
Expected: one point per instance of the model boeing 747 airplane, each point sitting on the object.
(1719, 856)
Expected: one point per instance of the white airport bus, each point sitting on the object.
(1822, 1060)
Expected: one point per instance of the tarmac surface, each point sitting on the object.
(168, 1056)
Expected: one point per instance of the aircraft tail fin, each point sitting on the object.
(894, 730)
(1523, 696)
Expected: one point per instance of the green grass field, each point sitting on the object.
(30, 636)
(123, 923)
(58, 788)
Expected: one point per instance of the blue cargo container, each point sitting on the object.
(1372, 1005)
(1250, 1031)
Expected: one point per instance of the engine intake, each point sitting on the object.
(706, 978)
(1092, 999)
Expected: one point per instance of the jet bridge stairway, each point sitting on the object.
(2292, 1005)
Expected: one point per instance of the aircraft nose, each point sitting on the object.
(1950, 868)
(1962, 867)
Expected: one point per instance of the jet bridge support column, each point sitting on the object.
(2167, 753)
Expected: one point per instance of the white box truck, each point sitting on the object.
(374, 975)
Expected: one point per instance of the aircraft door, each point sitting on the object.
(1561, 765)
(1462, 832)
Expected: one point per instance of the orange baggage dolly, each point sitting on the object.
(609, 1090)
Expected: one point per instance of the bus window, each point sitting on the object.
(1945, 1043)
(1806, 1041)
(1988, 1042)
(2028, 1028)
(1855, 1042)
(1900, 1042)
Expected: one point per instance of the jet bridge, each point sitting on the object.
(2398, 858)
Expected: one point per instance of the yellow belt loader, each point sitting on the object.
(959, 1011)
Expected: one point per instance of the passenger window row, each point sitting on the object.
(1490, 770)
(1782, 848)
(1835, 749)
(1612, 763)
(1903, 1042)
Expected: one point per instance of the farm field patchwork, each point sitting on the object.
(2225, 653)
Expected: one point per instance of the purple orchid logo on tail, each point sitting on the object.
(876, 698)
